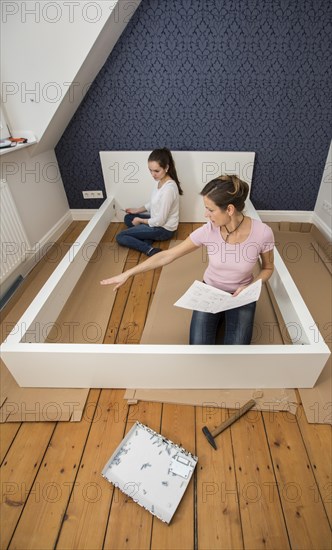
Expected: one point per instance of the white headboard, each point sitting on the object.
(129, 181)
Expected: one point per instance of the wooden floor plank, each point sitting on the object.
(42, 517)
(318, 442)
(183, 231)
(295, 226)
(164, 245)
(83, 319)
(111, 232)
(86, 517)
(257, 490)
(130, 525)
(75, 232)
(178, 424)
(135, 312)
(218, 515)
(7, 435)
(112, 331)
(305, 516)
(18, 472)
(275, 226)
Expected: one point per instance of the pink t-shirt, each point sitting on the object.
(231, 265)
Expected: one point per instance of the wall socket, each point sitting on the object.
(327, 206)
(92, 194)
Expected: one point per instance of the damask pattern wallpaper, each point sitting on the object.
(250, 75)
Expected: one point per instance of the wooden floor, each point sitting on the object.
(267, 486)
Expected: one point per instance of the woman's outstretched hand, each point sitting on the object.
(118, 281)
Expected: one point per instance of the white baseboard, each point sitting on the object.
(322, 226)
(83, 214)
(43, 246)
(56, 231)
(300, 216)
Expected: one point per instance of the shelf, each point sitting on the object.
(25, 134)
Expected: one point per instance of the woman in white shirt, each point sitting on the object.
(158, 219)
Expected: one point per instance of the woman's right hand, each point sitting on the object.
(118, 281)
(132, 210)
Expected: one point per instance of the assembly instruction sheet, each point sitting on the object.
(152, 470)
(203, 297)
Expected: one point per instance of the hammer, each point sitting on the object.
(211, 435)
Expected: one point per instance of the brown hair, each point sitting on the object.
(164, 159)
(225, 190)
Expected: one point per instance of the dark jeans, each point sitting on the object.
(238, 327)
(140, 237)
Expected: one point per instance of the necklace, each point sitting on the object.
(230, 232)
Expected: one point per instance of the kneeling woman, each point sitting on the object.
(234, 243)
(158, 219)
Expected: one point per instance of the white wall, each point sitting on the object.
(39, 196)
(44, 45)
(323, 207)
(37, 189)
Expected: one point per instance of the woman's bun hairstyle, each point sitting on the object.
(225, 190)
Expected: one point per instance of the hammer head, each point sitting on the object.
(209, 437)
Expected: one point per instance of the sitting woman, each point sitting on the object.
(158, 219)
(234, 243)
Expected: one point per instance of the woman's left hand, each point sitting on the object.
(238, 290)
(137, 221)
(118, 280)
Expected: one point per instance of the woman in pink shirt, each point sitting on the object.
(234, 243)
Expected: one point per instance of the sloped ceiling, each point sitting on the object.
(55, 53)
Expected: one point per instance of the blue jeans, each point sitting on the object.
(140, 237)
(238, 326)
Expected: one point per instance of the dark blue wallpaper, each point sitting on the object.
(246, 75)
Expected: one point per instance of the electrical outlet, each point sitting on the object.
(92, 194)
(327, 206)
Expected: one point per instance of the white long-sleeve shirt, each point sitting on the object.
(164, 206)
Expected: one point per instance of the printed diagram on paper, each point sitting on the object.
(152, 470)
(202, 297)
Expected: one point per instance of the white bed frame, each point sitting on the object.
(34, 363)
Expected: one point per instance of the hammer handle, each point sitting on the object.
(246, 407)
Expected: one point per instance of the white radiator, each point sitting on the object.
(13, 239)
